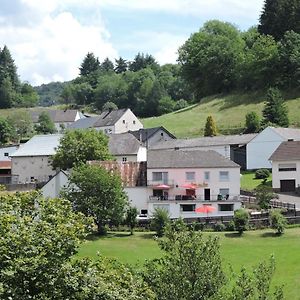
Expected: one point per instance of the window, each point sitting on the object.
(123, 121)
(32, 178)
(160, 176)
(225, 207)
(190, 176)
(187, 207)
(224, 192)
(224, 176)
(124, 159)
(206, 176)
(287, 167)
(133, 121)
(5, 153)
(144, 211)
(161, 134)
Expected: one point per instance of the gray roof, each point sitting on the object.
(288, 133)
(144, 134)
(39, 145)
(107, 118)
(287, 151)
(219, 140)
(57, 116)
(187, 159)
(123, 143)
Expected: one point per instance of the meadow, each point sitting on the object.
(236, 251)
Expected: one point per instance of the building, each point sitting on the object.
(61, 118)
(125, 147)
(151, 136)
(181, 180)
(286, 167)
(55, 184)
(111, 122)
(32, 161)
(5, 163)
(261, 147)
(230, 146)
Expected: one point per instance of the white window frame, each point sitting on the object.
(190, 176)
(224, 176)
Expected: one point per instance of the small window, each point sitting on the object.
(190, 176)
(6, 154)
(133, 121)
(187, 207)
(287, 167)
(124, 159)
(123, 121)
(224, 176)
(161, 134)
(206, 176)
(32, 178)
(144, 211)
(225, 207)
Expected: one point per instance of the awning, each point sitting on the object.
(161, 187)
(189, 186)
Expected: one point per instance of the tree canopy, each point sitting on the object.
(45, 124)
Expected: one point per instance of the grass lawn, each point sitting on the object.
(249, 183)
(248, 250)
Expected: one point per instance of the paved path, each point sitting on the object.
(290, 198)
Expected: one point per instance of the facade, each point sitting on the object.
(181, 181)
(286, 167)
(111, 122)
(54, 186)
(32, 161)
(265, 143)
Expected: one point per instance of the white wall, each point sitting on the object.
(32, 166)
(138, 197)
(10, 150)
(127, 122)
(53, 187)
(284, 175)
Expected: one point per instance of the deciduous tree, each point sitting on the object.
(45, 124)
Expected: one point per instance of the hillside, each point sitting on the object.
(228, 111)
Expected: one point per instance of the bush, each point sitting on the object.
(262, 173)
(277, 221)
(180, 104)
(219, 226)
(230, 226)
(199, 226)
(159, 221)
(241, 220)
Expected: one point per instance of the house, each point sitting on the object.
(151, 136)
(32, 161)
(55, 184)
(61, 118)
(112, 121)
(5, 163)
(182, 180)
(230, 146)
(125, 147)
(286, 167)
(261, 147)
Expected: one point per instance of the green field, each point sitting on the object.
(250, 183)
(228, 111)
(236, 251)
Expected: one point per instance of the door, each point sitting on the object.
(206, 194)
(288, 185)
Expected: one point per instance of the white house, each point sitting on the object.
(55, 184)
(180, 181)
(32, 161)
(5, 163)
(112, 121)
(286, 167)
(261, 147)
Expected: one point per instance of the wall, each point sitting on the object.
(10, 150)
(32, 166)
(261, 148)
(138, 197)
(159, 136)
(54, 186)
(131, 123)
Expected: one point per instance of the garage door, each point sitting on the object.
(287, 185)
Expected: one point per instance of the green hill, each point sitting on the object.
(228, 111)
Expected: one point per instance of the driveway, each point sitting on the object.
(290, 198)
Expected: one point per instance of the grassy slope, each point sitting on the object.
(249, 183)
(228, 111)
(247, 251)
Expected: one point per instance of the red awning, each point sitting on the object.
(161, 187)
(189, 186)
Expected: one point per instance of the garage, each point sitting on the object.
(288, 185)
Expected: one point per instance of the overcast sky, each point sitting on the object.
(49, 38)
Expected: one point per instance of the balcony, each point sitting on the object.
(177, 198)
(161, 184)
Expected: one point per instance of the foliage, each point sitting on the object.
(131, 219)
(165, 105)
(277, 221)
(79, 146)
(180, 104)
(29, 96)
(6, 131)
(109, 106)
(275, 110)
(45, 124)
(160, 219)
(107, 65)
(252, 122)
(264, 194)
(120, 65)
(241, 220)
(89, 65)
(51, 93)
(210, 127)
(142, 61)
(97, 193)
(262, 173)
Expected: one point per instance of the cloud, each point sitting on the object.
(53, 44)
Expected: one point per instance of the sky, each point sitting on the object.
(49, 39)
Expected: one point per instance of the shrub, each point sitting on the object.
(230, 226)
(159, 221)
(180, 104)
(219, 226)
(241, 220)
(262, 173)
(277, 221)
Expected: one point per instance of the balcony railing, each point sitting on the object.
(213, 198)
(158, 183)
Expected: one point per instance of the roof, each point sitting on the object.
(5, 164)
(57, 116)
(107, 118)
(39, 145)
(187, 159)
(287, 151)
(144, 134)
(288, 133)
(123, 143)
(207, 141)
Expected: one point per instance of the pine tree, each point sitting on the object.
(7, 93)
(107, 65)
(275, 111)
(210, 127)
(121, 65)
(89, 65)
